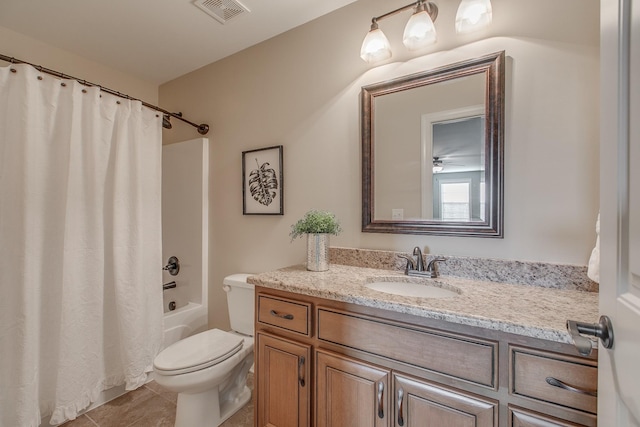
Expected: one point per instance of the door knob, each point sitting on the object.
(603, 330)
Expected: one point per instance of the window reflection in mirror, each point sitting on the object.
(458, 169)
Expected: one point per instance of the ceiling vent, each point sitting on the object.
(222, 10)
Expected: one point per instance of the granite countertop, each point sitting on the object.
(519, 309)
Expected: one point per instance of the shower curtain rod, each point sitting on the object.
(203, 128)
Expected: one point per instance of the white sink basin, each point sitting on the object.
(408, 289)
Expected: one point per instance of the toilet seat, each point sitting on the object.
(197, 352)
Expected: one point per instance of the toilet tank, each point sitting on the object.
(241, 301)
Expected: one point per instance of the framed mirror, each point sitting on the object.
(432, 151)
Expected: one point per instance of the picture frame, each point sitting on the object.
(262, 181)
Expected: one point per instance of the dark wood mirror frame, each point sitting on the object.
(493, 67)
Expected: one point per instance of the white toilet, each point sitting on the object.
(209, 370)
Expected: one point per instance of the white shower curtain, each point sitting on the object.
(80, 245)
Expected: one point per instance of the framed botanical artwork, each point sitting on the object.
(262, 181)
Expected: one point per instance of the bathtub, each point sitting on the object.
(183, 322)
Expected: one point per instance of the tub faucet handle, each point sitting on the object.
(173, 266)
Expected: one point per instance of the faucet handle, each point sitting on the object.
(410, 264)
(432, 263)
(431, 267)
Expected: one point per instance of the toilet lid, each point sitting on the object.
(198, 352)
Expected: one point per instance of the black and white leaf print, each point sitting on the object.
(263, 183)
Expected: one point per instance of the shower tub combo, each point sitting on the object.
(185, 231)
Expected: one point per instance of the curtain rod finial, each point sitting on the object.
(203, 129)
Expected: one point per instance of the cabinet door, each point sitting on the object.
(425, 404)
(351, 392)
(283, 382)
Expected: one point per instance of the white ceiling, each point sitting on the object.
(155, 40)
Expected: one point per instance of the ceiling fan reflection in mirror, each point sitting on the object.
(439, 164)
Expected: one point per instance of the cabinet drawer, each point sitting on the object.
(285, 314)
(458, 356)
(562, 380)
(520, 417)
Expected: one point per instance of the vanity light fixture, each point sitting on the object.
(473, 15)
(420, 31)
(375, 46)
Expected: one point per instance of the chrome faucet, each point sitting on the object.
(419, 261)
(416, 268)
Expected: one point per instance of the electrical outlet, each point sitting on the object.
(397, 213)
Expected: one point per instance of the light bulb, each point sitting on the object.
(419, 31)
(473, 15)
(375, 46)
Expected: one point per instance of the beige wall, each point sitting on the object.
(39, 53)
(301, 90)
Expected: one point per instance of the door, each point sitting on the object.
(619, 370)
(351, 392)
(424, 404)
(282, 382)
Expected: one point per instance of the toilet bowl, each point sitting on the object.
(209, 370)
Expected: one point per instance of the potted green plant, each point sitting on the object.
(317, 226)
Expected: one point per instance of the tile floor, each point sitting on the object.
(149, 406)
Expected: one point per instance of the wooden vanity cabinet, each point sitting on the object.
(282, 382)
(425, 404)
(351, 392)
(356, 393)
(283, 365)
(324, 363)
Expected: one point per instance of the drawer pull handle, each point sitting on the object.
(380, 399)
(301, 371)
(281, 315)
(557, 383)
(400, 399)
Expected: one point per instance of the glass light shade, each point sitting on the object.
(375, 46)
(419, 31)
(473, 15)
(437, 169)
